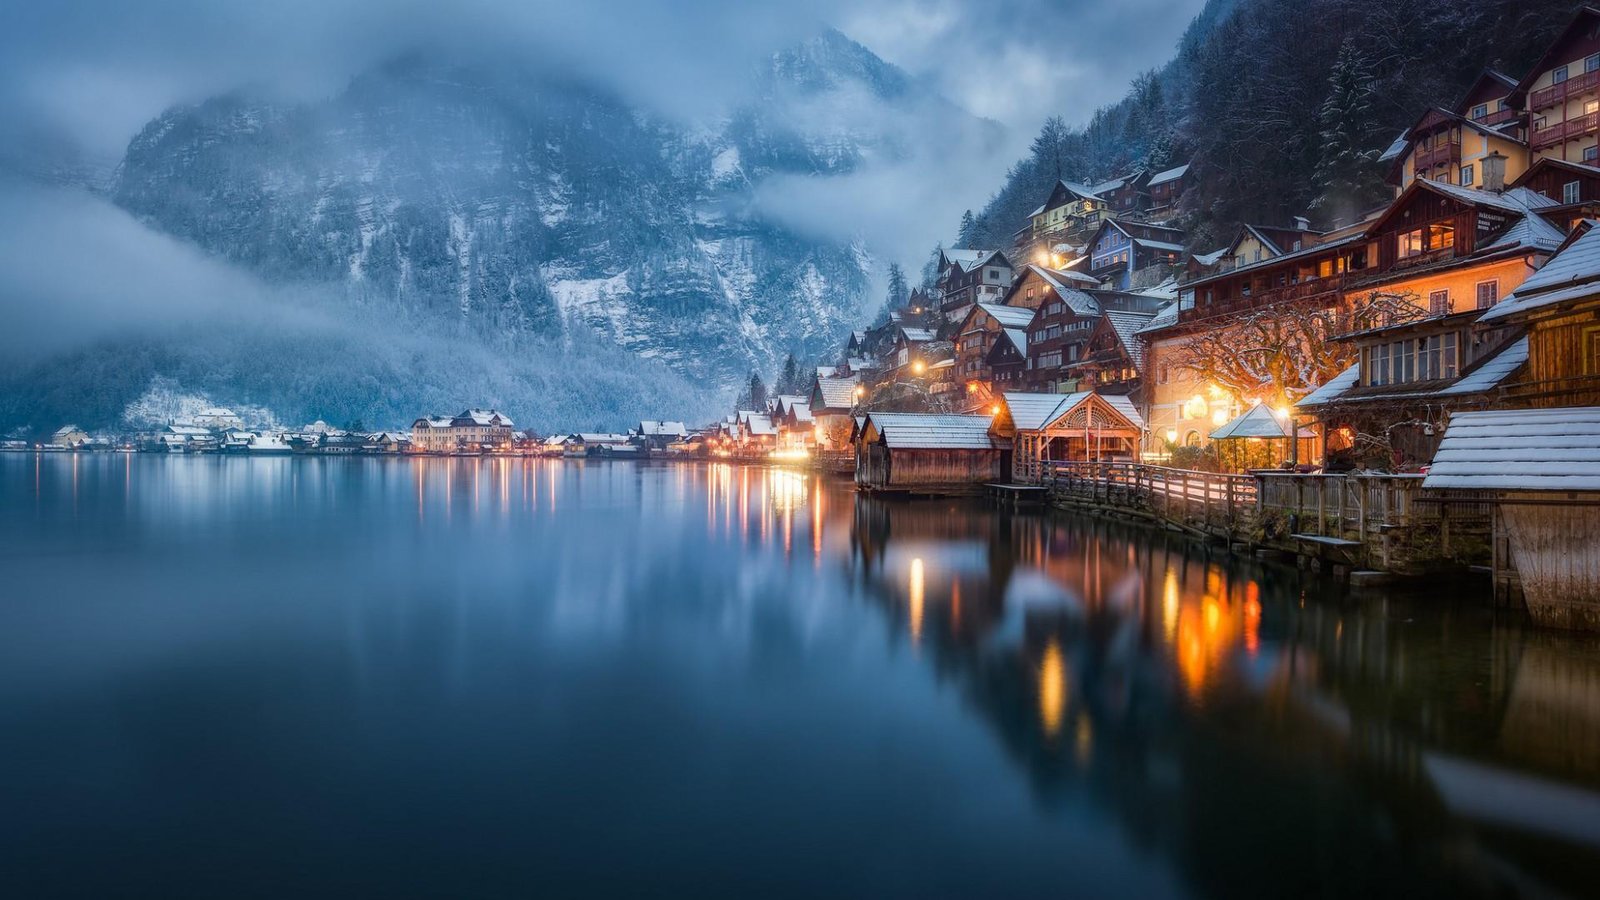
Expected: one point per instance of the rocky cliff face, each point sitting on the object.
(516, 205)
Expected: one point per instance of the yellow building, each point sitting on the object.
(1480, 142)
(1561, 93)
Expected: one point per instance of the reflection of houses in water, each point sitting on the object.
(1273, 740)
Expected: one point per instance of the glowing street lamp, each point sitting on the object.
(918, 367)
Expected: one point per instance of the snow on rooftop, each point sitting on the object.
(1493, 371)
(1333, 389)
(1169, 175)
(933, 431)
(1525, 449)
(1259, 421)
(1569, 275)
(1008, 316)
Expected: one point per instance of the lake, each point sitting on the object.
(513, 678)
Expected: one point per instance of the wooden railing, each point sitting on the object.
(1557, 93)
(1500, 117)
(1564, 131)
(1443, 154)
(1210, 501)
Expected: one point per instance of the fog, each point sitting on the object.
(78, 78)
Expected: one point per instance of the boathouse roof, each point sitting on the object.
(1522, 449)
(931, 431)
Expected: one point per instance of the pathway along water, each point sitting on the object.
(342, 677)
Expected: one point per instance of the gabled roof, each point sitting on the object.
(835, 393)
(1258, 421)
(1066, 191)
(1125, 324)
(1032, 412)
(930, 431)
(1571, 274)
(916, 335)
(1081, 303)
(1525, 449)
(1546, 162)
(1169, 175)
(1018, 337)
(1008, 316)
(1584, 17)
(1517, 201)
(656, 429)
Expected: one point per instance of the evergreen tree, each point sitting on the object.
(789, 379)
(899, 291)
(1346, 177)
(930, 269)
(1050, 148)
(757, 393)
(967, 237)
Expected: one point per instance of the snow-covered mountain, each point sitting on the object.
(518, 205)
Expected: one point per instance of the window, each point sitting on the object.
(1591, 351)
(1559, 75)
(1569, 192)
(1591, 62)
(1466, 176)
(1410, 243)
(1488, 293)
(1439, 303)
(1590, 107)
(1481, 111)
(1590, 154)
(1161, 375)
(1441, 235)
(994, 274)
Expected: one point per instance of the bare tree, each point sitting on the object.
(1278, 354)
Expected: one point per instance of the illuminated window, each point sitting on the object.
(1410, 243)
(1441, 235)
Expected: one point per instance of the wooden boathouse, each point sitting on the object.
(1081, 427)
(1543, 466)
(925, 452)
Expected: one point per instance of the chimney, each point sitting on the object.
(1301, 223)
(1494, 172)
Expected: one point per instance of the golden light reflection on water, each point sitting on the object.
(1052, 688)
(917, 598)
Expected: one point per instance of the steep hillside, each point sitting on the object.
(1242, 99)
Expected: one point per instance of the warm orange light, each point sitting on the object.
(1052, 688)
(994, 410)
(918, 367)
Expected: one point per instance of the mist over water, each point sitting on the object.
(336, 677)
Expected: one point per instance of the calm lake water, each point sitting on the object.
(461, 678)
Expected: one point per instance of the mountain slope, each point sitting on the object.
(1241, 100)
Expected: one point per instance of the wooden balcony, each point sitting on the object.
(1329, 288)
(1446, 154)
(1564, 131)
(1557, 94)
(1500, 117)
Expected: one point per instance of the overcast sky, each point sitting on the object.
(78, 78)
(93, 71)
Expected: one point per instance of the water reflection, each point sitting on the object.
(519, 676)
(1274, 737)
